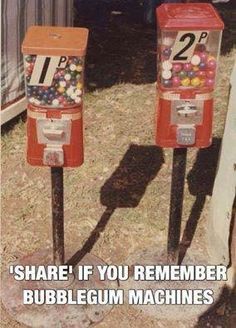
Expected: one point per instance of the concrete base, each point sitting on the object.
(79, 316)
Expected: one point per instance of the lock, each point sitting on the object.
(189, 37)
(54, 65)
(186, 135)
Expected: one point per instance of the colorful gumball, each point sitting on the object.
(185, 82)
(210, 82)
(195, 82)
(191, 74)
(176, 81)
(177, 67)
(202, 65)
(166, 52)
(195, 68)
(167, 41)
(195, 60)
(203, 56)
(201, 47)
(210, 74)
(182, 74)
(187, 67)
(201, 74)
(167, 83)
(202, 82)
(211, 64)
(167, 65)
(166, 74)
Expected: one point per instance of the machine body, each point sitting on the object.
(189, 37)
(54, 66)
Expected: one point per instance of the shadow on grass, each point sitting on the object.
(125, 188)
(200, 181)
(222, 313)
(8, 126)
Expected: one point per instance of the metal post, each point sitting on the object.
(57, 215)
(176, 203)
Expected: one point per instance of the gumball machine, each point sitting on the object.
(189, 38)
(54, 65)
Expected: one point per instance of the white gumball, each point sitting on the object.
(78, 92)
(78, 100)
(69, 91)
(55, 102)
(67, 77)
(195, 60)
(166, 74)
(166, 65)
(72, 67)
(62, 84)
(73, 96)
(167, 41)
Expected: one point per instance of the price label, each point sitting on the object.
(45, 68)
(185, 44)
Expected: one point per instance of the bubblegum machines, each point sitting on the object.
(54, 65)
(189, 38)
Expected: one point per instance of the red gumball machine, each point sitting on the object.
(189, 38)
(54, 65)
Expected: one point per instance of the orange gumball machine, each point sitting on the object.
(54, 65)
(189, 38)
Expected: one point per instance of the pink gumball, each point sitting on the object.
(210, 82)
(61, 99)
(211, 64)
(203, 56)
(176, 67)
(187, 67)
(201, 74)
(176, 81)
(210, 74)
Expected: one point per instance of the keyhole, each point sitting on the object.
(55, 35)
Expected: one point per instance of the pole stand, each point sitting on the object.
(53, 316)
(176, 204)
(169, 256)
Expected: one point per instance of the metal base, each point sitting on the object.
(79, 316)
(170, 312)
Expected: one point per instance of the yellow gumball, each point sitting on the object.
(202, 83)
(79, 85)
(61, 89)
(195, 82)
(185, 82)
(211, 58)
(79, 68)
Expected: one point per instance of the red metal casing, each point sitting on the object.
(54, 59)
(73, 151)
(183, 81)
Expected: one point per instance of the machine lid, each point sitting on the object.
(191, 16)
(55, 41)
